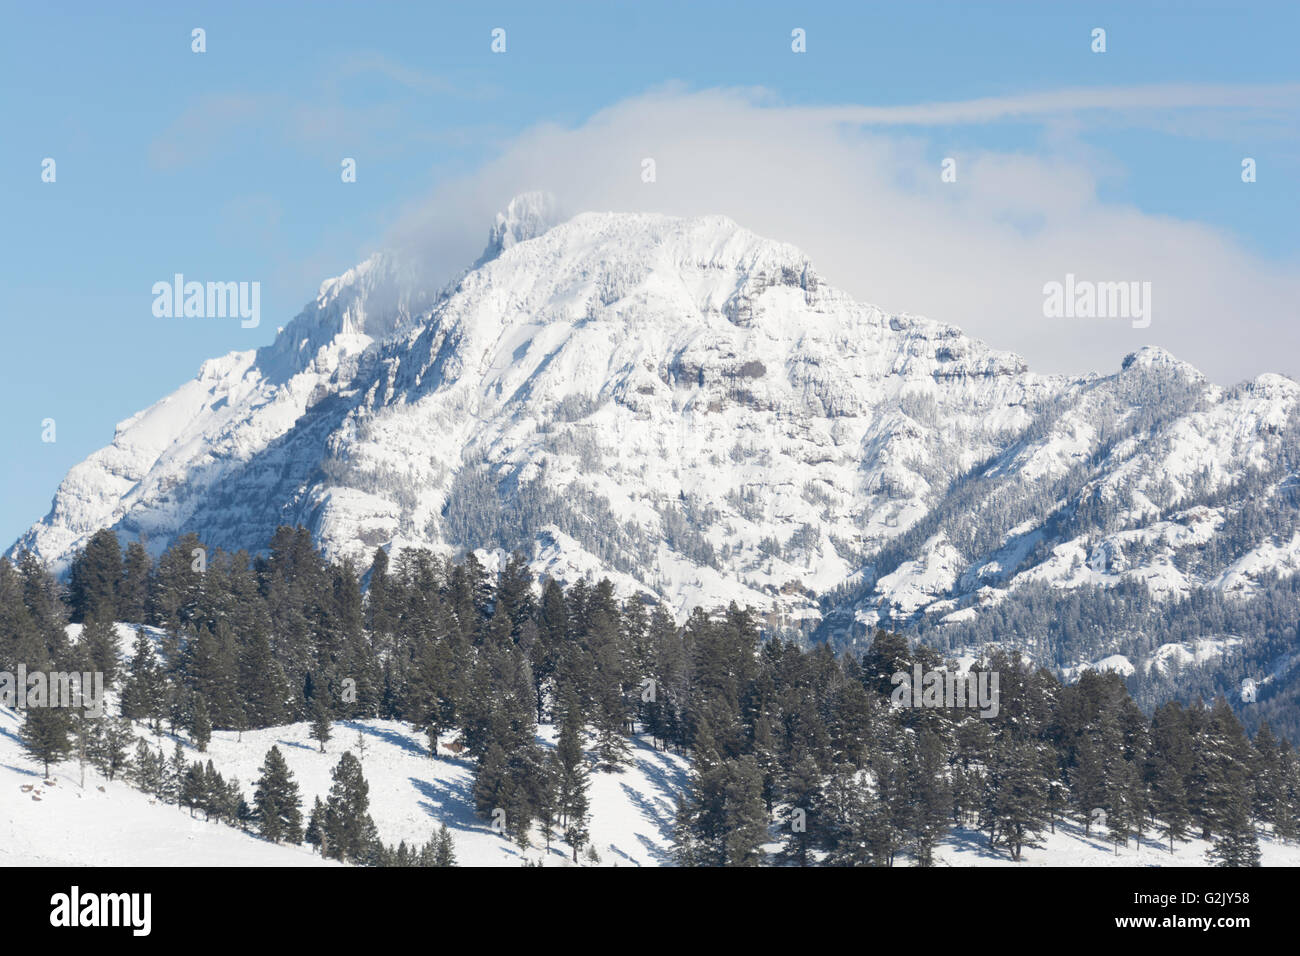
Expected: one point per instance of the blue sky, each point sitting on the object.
(225, 165)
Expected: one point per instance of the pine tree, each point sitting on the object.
(1286, 812)
(490, 783)
(315, 833)
(99, 645)
(1016, 806)
(210, 667)
(686, 848)
(1170, 802)
(86, 731)
(799, 791)
(1088, 781)
(347, 830)
(93, 578)
(445, 848)
(1124, 803)
(193, 794)
(143, 694)
(1220, 777)
(46, 735)
(133, 587)
(146, 769)
(320, 724)
(571, 780)
(1266, 771)
(928, 799)
(544, 654)
(111, 748)
(745, 814)
(276, 799)
(175, 776)
(1171, 759)
(610, 709)
(844, 816)
(200, 725)
(177, 585)
(1236, 844)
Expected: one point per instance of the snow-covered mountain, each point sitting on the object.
(692, 410)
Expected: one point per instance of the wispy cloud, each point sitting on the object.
(1278, 101)
(867, 204)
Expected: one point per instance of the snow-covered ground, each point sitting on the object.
(1069, 847)
(411, 794)
(110, 823)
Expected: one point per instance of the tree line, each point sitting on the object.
(799, 755)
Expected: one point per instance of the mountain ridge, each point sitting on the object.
(691, 409)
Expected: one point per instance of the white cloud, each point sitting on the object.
(868, 206)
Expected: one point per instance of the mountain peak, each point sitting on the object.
(527, 216)
(1153, 356)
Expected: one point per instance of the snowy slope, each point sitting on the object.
(110, 823)
(410, 795)
(1068, 846)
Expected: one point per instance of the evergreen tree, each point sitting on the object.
(320, 724)
(99, 646)
(86, 733)
(94, 576)
(1016, 806)
(1220, 776)
(46, 735)
(799, 790)
(746, 816)
(194, 792)
(346, 828)
(176, 770)
(844, 817)
(571, 780)
(200, 725)
(1236, 843)
(143, 695)
(147, 770)
(1171, 764)
(1286, 812)
(133, 588)
(262, 680)
(177, 584)
(445, 848)
(315, 833)
(928, 799)
(1266, 771)
(111, 748)
(275, 797)
(1170, 803)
